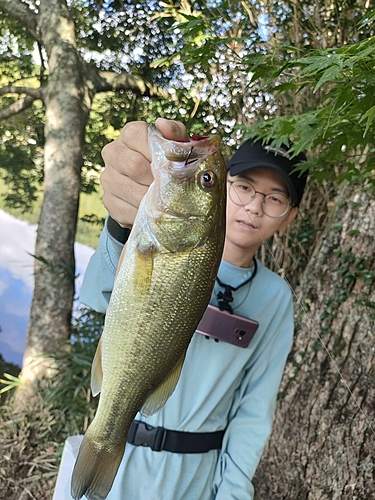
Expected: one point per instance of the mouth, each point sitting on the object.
(248, 224)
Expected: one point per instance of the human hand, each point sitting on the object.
(127, 174)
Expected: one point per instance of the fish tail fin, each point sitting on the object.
(95, 470)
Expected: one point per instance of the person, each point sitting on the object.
(225, 392)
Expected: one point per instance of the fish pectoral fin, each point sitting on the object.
(121, 259)
(97, 371)
(144, 264)
(160, 395)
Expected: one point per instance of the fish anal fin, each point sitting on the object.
(161, 394)
(97, 371)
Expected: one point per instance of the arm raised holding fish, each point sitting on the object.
(206, 441)
(127, 174)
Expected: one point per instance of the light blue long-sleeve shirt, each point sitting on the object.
(221, 387)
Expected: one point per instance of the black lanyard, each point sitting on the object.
(224, 298)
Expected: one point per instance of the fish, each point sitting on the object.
(163, 285)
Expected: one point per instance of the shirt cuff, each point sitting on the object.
(120, 234)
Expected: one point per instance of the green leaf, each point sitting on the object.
(10, 382)
(330, 74)
(314, 64)
(367, 20)
(370, 114)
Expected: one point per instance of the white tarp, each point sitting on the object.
(69, 456)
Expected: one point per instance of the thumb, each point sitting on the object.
(172, 130)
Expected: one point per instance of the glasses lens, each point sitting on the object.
(241, 193)
(275, 205)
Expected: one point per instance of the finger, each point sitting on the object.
(121, 195)
(122, 212)
(134, 136)
(127, 162)
(172, 130)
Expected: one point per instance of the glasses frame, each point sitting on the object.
(289, 207)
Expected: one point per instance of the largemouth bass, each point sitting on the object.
(164, 283)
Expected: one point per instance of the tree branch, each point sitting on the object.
(21, 12)
(17, 107)
(113, 81)
(29, 91)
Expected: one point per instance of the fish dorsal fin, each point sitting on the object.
(159, 397)
(97, 371)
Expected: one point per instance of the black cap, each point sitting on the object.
(253, 154)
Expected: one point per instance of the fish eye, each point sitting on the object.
(207, 179)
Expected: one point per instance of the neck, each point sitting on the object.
(238, 256)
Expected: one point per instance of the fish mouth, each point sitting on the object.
(184, 171)
(185, 158)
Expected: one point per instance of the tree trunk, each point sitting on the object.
(67, 91)
(323, 440)
(67, 99)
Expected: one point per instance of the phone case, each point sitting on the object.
(227, 327)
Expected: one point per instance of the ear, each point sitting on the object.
(289, 218)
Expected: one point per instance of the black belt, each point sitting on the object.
(158, 439)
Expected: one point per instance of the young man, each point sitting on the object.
(226, 394)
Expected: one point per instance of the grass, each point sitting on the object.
(29, 455)
(32, 437)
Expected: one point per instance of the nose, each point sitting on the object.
(255, 205)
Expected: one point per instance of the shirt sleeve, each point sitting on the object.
(100, 273)
(250, 423)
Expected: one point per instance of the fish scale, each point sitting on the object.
(164, 283)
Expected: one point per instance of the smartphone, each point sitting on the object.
(222, 325)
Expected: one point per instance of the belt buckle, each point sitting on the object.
(146, 435)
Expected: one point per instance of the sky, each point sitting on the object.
(17, 242)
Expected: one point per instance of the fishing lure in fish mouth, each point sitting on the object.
(161, 291)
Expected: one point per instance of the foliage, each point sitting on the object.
(119, 37)
(21, 157)
(212, 38)
(123, 36)
(9, 372)
(317, 90)
(291, 72)
(16, 47)
(29, 441)
(32, 438)
(248, 62)
(10, 382)
(341, 128)
(287, 70)
(70, 391)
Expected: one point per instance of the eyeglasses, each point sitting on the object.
(273, 204)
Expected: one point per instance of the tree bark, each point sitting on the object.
(323, 441)
(67, 98)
